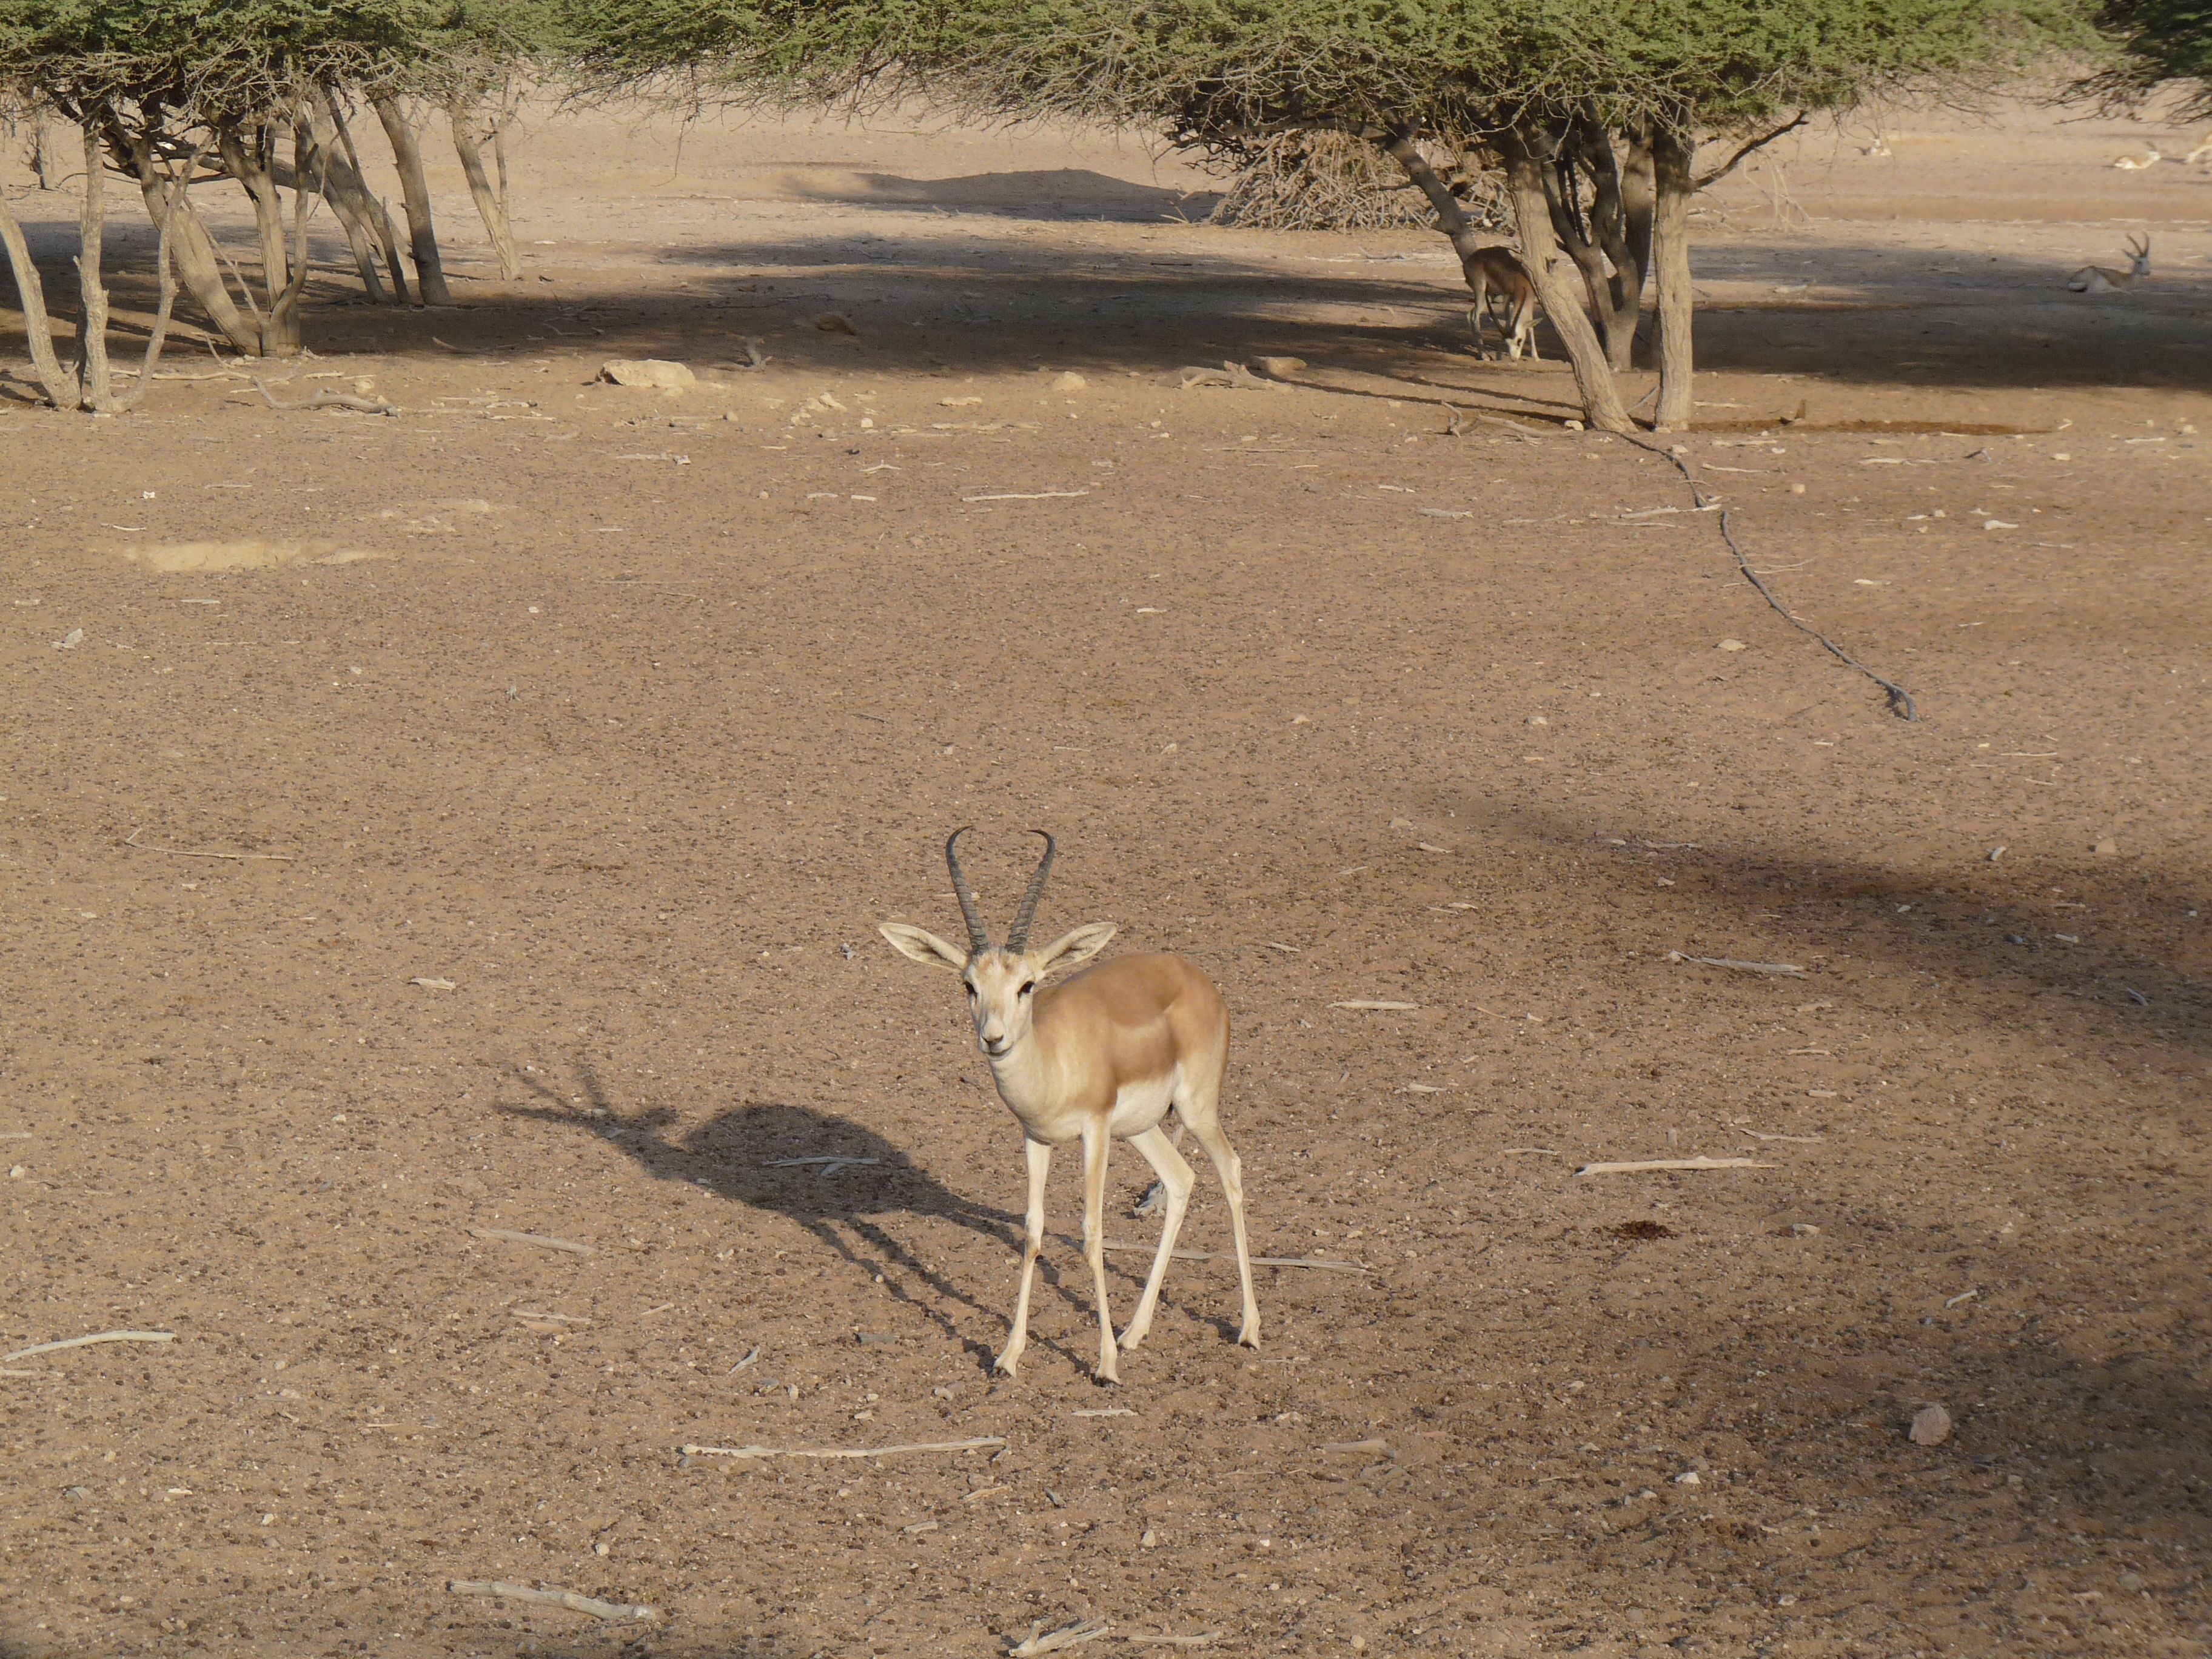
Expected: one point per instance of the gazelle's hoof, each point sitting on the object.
(1107, 1377)
(1249, 1336)
(1005, 1364)
(1129, 1339)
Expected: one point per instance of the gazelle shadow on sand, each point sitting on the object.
(829, 1175)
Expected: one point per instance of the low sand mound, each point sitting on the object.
(173, 558)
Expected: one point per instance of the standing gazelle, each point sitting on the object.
(1100, 1058)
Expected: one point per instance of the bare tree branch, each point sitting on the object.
(1749, 147)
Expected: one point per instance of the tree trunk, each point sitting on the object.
(1672, 155)
(89, 386)
(342, 191)
(199, 265)
(61, 387)
(1675, 183)
(1605, 245)
(1532, 213)
(378, 215)
(415, 191)
(248, 158)
(93, 383)
(42, 155)
(469, 130)
(1451, 217)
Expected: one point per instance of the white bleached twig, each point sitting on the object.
(1697, 1163)
(1138, 1638)
(1089, 1631)
(1039, 495)
(87, 1341)
(569, 1245)
(845, 1451)
(1789, 968)
(624, 1611)
(1379, 1007)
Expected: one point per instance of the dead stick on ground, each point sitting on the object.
(1164, 1640)
(329, 400)
(1698, 1162)
(554, 1598)
(845, 1451)
(1742, 967)
(1089, 1631)
(87, 1341)
(501, 1233)
(1257, 1260)
(131, 841)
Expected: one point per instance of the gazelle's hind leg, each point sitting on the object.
(1201, 1110)
(1176, 1181)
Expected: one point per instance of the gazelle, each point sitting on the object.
(2103, 279)
(1098, 1058)
(2200, 154)
(2142, 163)
(1494, 275)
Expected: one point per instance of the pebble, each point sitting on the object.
(1931, 1427)
(2106, 848)
(1729, 645)
(1070, 381)
(653, 372)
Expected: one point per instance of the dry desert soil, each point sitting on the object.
(421, 830)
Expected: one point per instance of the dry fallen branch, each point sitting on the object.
(1164, 1640)
(327, 399)
(1089, 1631)
(502, 1234)
(624, 1611)
(1114, 1245)
(1037, 496)
(1697, 1163)
(1233, 375)
(845, 1451)
(131, 841)
(1379, 1007)
(87, 1341)
(1741, 966)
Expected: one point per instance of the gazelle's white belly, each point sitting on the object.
(1141, 1106)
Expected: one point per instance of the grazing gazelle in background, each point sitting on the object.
(1099, 1058)
(1495, 274)
(2103, 279)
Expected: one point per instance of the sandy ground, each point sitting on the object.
(505, 854)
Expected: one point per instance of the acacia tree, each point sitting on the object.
(1593, 109)
(256, 92)
(2157, 43)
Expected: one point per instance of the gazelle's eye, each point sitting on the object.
(1028, 987)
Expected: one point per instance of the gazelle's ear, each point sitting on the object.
(1084, 943)
(920, 944)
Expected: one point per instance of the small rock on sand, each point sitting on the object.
(653, 372)
(1070, 381)
(1931, 1427)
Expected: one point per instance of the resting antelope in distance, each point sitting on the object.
(1495, 274)
(2103, 279)
(2142, 163)
(1098, 1058)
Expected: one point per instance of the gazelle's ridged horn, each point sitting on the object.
(1017, 932)
(979, 938)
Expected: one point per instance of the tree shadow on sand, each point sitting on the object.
(833, 1176)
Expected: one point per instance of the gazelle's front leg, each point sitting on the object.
(1095, 1145)
(1039, 1161)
